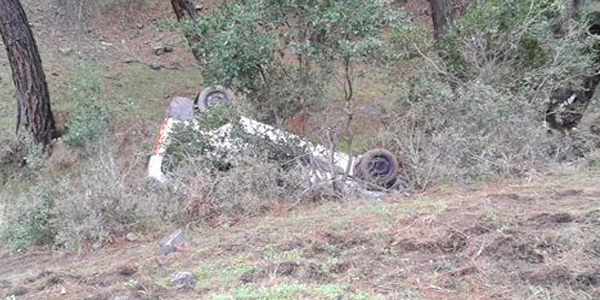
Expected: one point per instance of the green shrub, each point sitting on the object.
(519, 34)
(283, 54)
(476, 111)
(33, 222)
(408, 38)
(89, 122)
(188, 141)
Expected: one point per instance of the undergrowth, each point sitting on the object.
(89, 122)
(470, 110)
(476, 103)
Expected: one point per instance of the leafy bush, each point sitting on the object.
(476, 111)
(32, 223)
(188, 141)
(408, 38)
(282, 54)
(89, 122)
(518, 34)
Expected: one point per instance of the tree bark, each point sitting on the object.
(183, 7)
(33, 100)
(441, 15)
(574, 8)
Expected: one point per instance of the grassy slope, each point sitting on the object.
(500, 241)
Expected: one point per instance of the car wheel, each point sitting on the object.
(213, 96)
(378, 166)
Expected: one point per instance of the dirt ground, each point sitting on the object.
(500, 241)
(538, 239)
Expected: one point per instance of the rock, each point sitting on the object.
(368, 109)
(155, 66)
(158, 49)
(175, 241)
(183, 280)
(97, 246)
(168, 48)
(65, 50)
(140, 26)
(131, 237)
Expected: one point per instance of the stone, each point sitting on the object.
(158, 49)
(131, 237)
(184, 279)
(173, 242)
(368, 109)
(65, 50)
(168, 48)
(155, 66)
(97, 246)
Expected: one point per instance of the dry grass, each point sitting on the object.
(518, 241)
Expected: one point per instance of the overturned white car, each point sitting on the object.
(368, 174)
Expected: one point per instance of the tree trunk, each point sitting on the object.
(441, 15)
(33, 100)
(574, 8)
(181, 7)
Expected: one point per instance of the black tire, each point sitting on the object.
(378, 166)
(593, 21)
(212, 96)
(568, 107)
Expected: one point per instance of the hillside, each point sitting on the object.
(499, 207)
(500, 241)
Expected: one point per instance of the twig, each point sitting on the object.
(435, 66)
(151, 65)
(350, 140)
(332, 161)
(347, 95)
